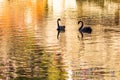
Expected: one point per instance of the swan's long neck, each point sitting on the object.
(81, 25)
(58, 23)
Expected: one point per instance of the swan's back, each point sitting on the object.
(86, 29)
(61, 28)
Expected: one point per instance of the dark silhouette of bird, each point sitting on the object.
(60, 28)
(84, 29)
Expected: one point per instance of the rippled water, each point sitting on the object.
(30, 49)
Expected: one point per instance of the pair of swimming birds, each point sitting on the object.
(82, 28)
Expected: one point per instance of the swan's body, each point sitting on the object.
(84, 29)
(60, 28)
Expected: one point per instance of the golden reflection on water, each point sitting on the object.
(28, 16)
(71, 4)
(29, 41)
(58, 6)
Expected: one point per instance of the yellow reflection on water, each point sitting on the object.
(70, 4)
(1, 9)
(111, 7)
(58, 6)
(34, 1)
(28, 16)
(2, 0)
(69, 71)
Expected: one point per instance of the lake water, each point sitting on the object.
(32, 49)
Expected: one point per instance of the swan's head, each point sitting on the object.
(59, 19)
(80, 22)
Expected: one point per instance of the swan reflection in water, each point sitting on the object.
(60, 28)
(58, 33)
(84, 29)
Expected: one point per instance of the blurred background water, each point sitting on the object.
(30, 50)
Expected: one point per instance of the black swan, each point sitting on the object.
(60, 28)
(84, 29)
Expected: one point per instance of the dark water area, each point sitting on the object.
(32, 49)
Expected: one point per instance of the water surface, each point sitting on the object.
(30, 49)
